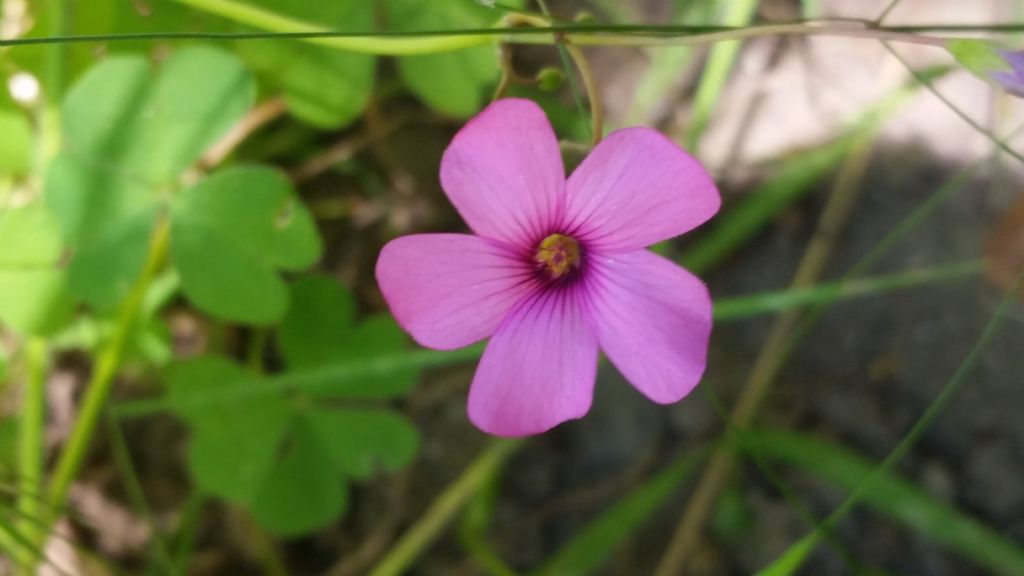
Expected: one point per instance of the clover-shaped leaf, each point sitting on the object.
(320, 330)
(302, 491)
(129, 134)
(34, 298)
(229, 235)
(322, 86)
(284, 453)
(232, 448)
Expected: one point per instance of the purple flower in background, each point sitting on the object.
(557, 268)
(1012, 80)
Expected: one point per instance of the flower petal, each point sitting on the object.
(653, 320)
(635, 189)
(450, 290)
(503, 172)
(539, 368)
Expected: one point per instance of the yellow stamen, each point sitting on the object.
(559, 254)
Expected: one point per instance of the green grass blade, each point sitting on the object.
(666, 63)
(351, 375)
(893, 497)
(795, 178)
(772, 302)
(591, 547)
(716, 72)
(792, 558)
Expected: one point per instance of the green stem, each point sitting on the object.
(98, 388)
(370, 44)
(122, 457)
(716, 73)
(48, 115)
(356, 371)
(417, 43)
(793, 558)
(444, 508)
(30, 449)
(772, 302)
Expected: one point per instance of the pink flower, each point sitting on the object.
(557, 269)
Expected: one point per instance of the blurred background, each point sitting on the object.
(264, 415)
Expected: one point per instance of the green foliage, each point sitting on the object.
(324, 87)
(16, 143)
(454, 83)
(8, 444)
(890, 496)
(330, 85)
(977, 57)
(550, 79)
(285, 455)
(594, 544)
(129, 135)
(35, 298)
(229, 235)
(796, 176)
(320, 331)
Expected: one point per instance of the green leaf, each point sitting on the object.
(104, 271)
(301, 492)
(455, 83)
(283, 457)
(30, 237)
(362, 442)
(35, 298)
(890, 496)
(591, 547)
(129, 134)
(15, 144)
(380, 334)
(324, 87)
(978, 57)
(231, 450)
(320, 320)
(319, 331)
(229, 235)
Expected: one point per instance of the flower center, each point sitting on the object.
(558, 255)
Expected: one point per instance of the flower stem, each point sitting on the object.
(716, 73)
(593, 94)
(579, 59)
(778, 346)
(101, 382)
(444, 508)
(843, 28)
(419, 43)
(30, 448)
(792, 559)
